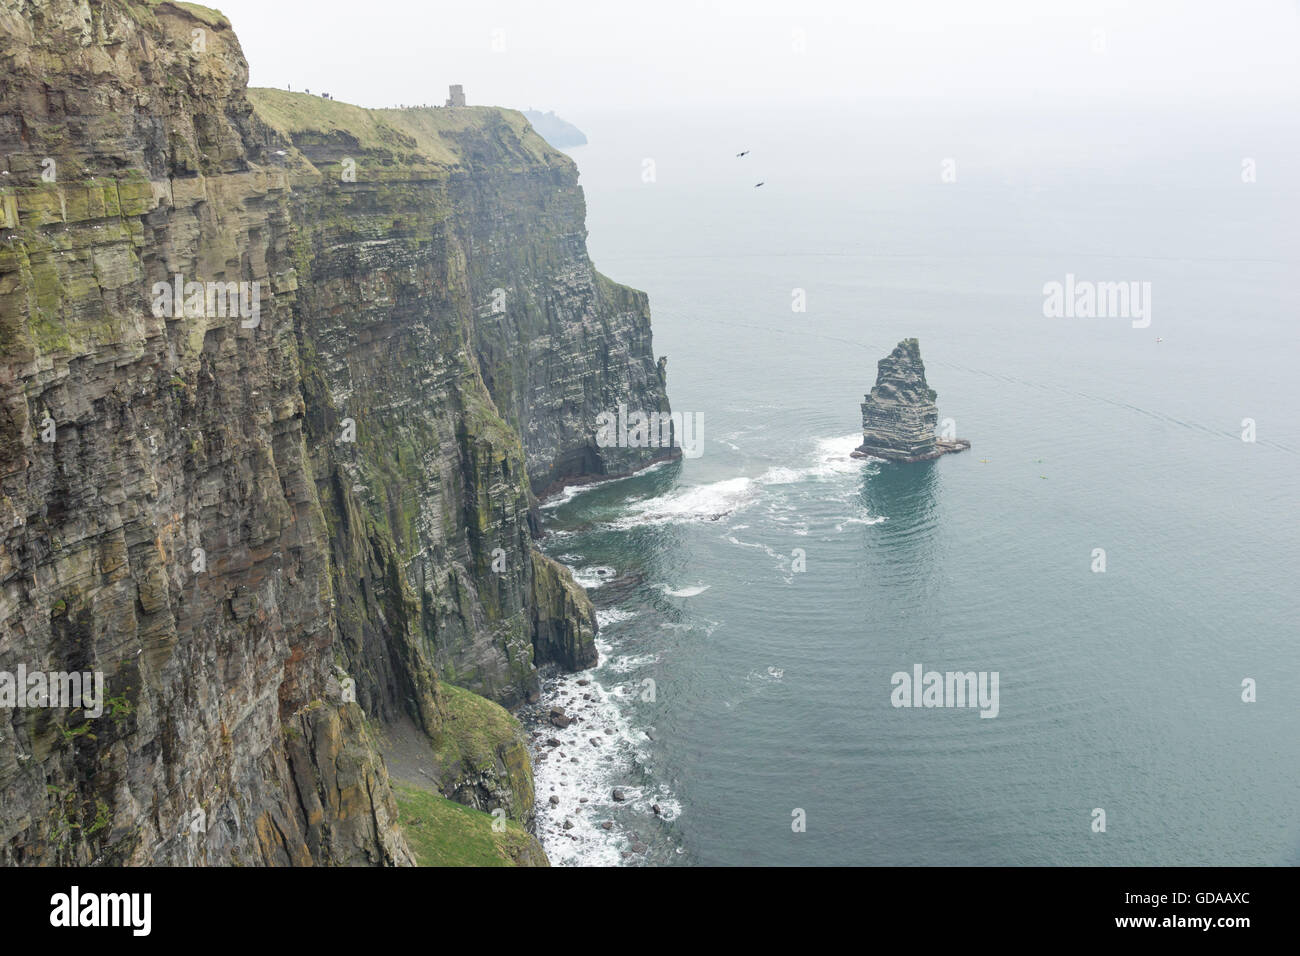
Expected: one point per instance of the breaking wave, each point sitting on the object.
(710, 502)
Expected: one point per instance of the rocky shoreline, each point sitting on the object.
(283, 536)
(559, 485)
(583, 752)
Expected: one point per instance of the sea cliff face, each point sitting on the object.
(280, 533)
(554, 130)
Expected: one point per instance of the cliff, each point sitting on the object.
(899, 416)
(557, 132)
(278, 531)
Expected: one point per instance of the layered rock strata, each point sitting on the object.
(277, 531)
(899, 415)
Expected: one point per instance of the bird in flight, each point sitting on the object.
(756, 185)
(745, 153)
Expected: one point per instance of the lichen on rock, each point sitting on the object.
(358, 469)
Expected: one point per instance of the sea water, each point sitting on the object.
(756, 602)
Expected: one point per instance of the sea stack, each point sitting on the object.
(899, 416)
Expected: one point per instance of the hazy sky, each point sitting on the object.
(584, 55)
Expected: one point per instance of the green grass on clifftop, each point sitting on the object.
(213, 18)
(417, 135)
(443, 833)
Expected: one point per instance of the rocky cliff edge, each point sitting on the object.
(281, 525)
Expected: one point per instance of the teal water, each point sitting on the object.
(1118, 690)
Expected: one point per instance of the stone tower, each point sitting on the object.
(457, 95)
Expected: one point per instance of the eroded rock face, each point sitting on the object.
(570, 344)
(899, 415)
(244, 527)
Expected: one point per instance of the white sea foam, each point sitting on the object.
(698, 503)
(564, 495)
(579, 768)
(759, 545)
(690, 591)
(720, 499)
(626, 663)
(594, 577)
(831, 463)
(730, 439)
(605, 616)
(869, 520)
(569, 492)
(831, 459)
(781, 476)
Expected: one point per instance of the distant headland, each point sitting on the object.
(554, 130)
(899, 416)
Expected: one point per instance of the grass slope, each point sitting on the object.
(414, 135)
(443, 833)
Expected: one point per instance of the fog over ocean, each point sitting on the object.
(1118, 690)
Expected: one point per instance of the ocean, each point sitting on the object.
(756, 602)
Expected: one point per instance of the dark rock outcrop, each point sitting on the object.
(899, 416)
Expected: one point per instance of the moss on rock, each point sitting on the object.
(481, 755)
